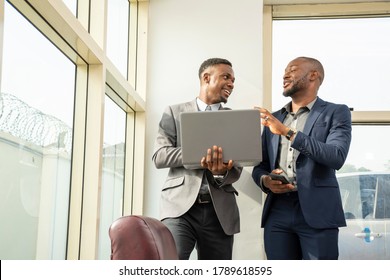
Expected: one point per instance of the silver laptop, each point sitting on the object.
(238, 132)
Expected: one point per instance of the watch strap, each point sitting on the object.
(290, 133)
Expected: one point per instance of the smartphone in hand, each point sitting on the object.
(279, 177)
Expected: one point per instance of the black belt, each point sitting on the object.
(289, 195)
(203, 198)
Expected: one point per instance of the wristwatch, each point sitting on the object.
(290, 133)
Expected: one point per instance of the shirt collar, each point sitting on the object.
(287, 107)
(202, 106)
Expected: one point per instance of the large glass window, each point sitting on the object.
(36, 120)
(365, 190)
(113, 170)
(118, 33)
(62, 184)
(354, 52)
(368, 152)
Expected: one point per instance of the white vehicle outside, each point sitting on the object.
(366, 203)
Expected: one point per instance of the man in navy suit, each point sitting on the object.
(306, 142)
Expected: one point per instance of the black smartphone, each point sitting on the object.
(279, 177)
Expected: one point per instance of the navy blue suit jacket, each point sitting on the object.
(323, 147)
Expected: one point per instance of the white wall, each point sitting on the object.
(182, 34)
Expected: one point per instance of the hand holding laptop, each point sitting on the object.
(213, 161)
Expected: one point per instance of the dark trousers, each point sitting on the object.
(288, 237)
(200, 227)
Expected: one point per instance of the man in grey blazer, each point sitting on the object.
(306, 141)
(199, 205)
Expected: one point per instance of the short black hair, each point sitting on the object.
(210, 62)
(317, 65)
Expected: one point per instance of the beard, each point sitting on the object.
(290, 92)
(297, 86)
(223, 100)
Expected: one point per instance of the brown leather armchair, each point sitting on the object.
(138, 237)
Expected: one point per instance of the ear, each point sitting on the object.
(314, 75)
(206, 77)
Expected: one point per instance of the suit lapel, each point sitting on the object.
(315, 112)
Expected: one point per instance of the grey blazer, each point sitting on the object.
(182, 185)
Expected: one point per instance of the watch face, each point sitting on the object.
(290, 133)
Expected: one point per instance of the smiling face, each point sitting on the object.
(217, 83)
(303, 76)
(295, 77)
